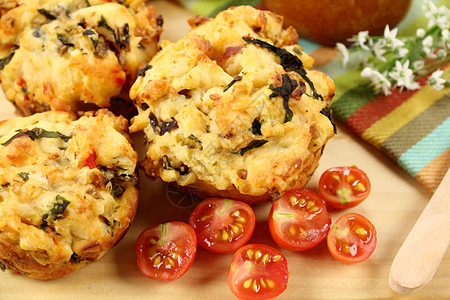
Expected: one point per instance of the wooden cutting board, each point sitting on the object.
(393, 207)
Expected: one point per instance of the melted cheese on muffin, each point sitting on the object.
(67, 190)
(232, 108)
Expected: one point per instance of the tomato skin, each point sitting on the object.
(90, 160)
(299, 220)
(166, 251)
(222, 225)
(352, 238)
(344, 187)
(258, 271)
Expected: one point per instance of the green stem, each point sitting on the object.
(387, 65)
(435, 62)
(432, 30)
(434, 67)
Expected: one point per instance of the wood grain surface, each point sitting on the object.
(395, 203)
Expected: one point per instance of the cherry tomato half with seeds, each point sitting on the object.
(352, 238)
(344, 187)
(258, 272)
(222, 225)
(166, 251)
(299, 220)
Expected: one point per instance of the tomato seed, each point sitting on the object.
(263, 283)
(292, 231)
(271, 283)
(314, 209)
(204, 218)
(225, 236)
(350, 178)
(302, 201)
(235, 229)
(361, 232)
(265, 259)
(240, 225)
(241, 220)
(236, 213)
(169, 262)
(359, 187)
(157, 261)
(294, 200)
(255, 286)
(276, 258)
(247, 283)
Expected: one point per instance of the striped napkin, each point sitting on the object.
(411, 127)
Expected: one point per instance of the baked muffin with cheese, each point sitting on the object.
(232, 109)
(74, 55)
(68, 190)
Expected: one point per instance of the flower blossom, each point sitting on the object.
(344, 51)
(436, 81)
(360, 40)
(427, 44)
(378, 80)
(378, 50)
(404, 76)
(439, 16)
(390, 38)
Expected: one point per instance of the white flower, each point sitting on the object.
(428, 41)
(378, 80)
(344, 51)
(445, 40)
(443, 17)
(436, 81)
(420, 32)
(383, 83)
(367, 72)
(403, 76)
(378, 50)
(402, 52)
(390, 38)
(436, 15)
(394, 55)
(360, 40)
(427, 44)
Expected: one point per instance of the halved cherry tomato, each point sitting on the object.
(299, 220)
(258, 272)
(222, 225)
(344, 187)
(352, 238)
(166, 251)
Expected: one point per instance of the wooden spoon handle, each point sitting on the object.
(422, 251)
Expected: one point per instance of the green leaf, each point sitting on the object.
(37, 133)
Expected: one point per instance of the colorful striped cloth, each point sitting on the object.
(411, 127)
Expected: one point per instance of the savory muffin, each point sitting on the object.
(68, 190)
(74, 55)
(232, 110)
